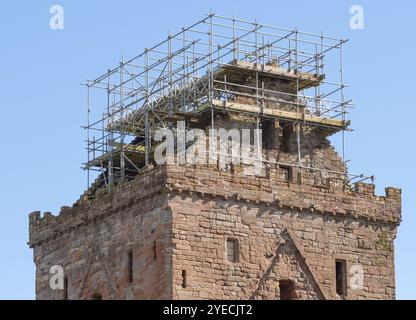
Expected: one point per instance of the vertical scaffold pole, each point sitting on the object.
(234, 44)
(88, 135)
(146, 125)
(109, 137)
(122, 164)
(297, 96)
(210, 76)
(341, 75)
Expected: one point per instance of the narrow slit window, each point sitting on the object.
(232, 250)
(287, 172)
(268, 134)
(183, 278)
(130, 266)
(284, 142)
(154, 251)
(341, 277)
(65, 288)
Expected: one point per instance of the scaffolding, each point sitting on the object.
(197, 72)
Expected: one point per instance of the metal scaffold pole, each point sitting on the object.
(146, 132)
(218, 65)
(122, 164)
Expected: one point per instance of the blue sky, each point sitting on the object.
(43, 105)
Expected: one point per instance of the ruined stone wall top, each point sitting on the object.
(46, 227)
(274, 188)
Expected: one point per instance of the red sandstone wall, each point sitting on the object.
(133, 218)
(267, 254)
(286, 230)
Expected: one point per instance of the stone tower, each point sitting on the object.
(297, 229)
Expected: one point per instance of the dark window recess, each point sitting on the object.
(97, 296)
(341, 277)
(268, 134)
(183, 278)
(65, 288)
(287, 172)
(287, 290)
(232, 250)
(130, 266)
(284, 137)
(154, 251)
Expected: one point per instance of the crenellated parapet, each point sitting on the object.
(276, 188)
(48, 226)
